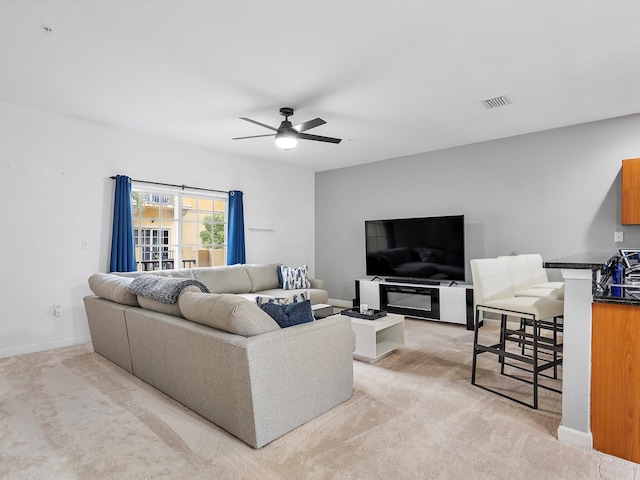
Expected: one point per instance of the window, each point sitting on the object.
(175, 229)
(152, 242)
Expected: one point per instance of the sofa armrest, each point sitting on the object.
(298, 373)
(316, 283)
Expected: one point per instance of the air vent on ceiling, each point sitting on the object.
(495, 102)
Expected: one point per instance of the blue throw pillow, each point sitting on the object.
(289, 315)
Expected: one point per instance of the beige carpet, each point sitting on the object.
(71, 414)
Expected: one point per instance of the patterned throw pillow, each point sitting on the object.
(294, 278)
(295, 298)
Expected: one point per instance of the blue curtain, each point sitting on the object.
(236, 249)
(123, 255)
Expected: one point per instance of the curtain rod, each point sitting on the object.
(173, 185)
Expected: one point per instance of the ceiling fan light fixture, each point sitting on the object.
(286, 140)
(287, 135)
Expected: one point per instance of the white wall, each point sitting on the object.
(556, 193)
(56, 191)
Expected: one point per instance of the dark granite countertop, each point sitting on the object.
(595, 262)
(607, 298)
(582, 261)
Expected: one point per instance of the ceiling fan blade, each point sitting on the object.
(258, 123)
(255, 136)
(306, 136)
(303, 127)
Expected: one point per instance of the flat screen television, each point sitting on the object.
(423, 250)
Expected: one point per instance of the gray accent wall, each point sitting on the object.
(556, 193)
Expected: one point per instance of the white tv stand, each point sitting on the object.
(444, 303)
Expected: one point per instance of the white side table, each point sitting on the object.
(377, 338)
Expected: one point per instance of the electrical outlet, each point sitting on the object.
(57, 310)
(618, 237)
(85, 243)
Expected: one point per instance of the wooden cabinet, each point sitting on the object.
(631, 191)
(615, 380)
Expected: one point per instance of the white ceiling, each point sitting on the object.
(391, 78)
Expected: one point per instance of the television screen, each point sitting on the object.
(429, 248)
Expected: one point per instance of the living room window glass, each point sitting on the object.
(176, 229)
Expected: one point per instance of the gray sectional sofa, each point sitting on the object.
(222, 356)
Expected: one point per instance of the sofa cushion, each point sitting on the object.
(291, 314)
(293, 277)
(262, 277)
(231, 279)
(284, 300)
(168, 308)
(112, 287)
(155, 306)
(230, 313)
(177, 273)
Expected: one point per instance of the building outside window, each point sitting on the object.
(152, 243)
(177, 229)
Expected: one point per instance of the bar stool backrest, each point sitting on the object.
(491, 279)
(526, 271)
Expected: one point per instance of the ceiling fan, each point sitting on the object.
(287, 135)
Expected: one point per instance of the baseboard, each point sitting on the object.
(575, 438)
(339, 303)
(67, 342)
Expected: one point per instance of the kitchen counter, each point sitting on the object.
(607, 298)
(601, 345)
(582, 275)
(583, 261)
(600, 285)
